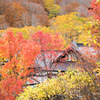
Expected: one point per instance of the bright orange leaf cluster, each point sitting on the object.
(49, 41)
(18, 56)
(95, 9)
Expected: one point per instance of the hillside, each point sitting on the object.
(20, 13)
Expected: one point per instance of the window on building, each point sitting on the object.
(70, 57)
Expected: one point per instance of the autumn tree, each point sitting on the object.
(36, 15)
(68, 8)
(17, 55)
(75, 7)
(91, 28)
(91, 37)
(3, 23)
(67, 25)
(52, 8)
(83, 10)
(51, 45)
(95, 31)
(37, 1)
(57, 1)
(81, 6)
(28, 31)
(3, 5)
(95, 9)
(18, 13)
(62, 3)
(13, 14)
(19, 59)
(25, 19)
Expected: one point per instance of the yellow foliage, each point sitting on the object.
(49, 4)
(28, 30)
(52, 8)
(90, 33)
(68, 85)
(68, 25)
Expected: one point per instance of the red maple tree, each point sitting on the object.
(17, 55)
(51, 47)
(19, 58)
(95, 9)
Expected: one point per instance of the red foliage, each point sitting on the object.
(11, 87)
(50, 44)
(95, 9)
(20, 54)
(48, 41)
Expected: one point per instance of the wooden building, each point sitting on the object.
(74, 56)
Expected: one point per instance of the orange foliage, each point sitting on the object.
(95, 9)
(13, 13)
(20, 54)
(49, 41)
(36, 1)
(50, 45)
(69, 8)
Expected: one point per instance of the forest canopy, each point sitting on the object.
(35, 31)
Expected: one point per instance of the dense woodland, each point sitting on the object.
(20, 13)
(30, 27)
(66, 17)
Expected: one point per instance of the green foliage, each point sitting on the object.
(74, 84)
